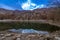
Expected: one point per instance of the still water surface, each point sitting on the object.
(28, 31)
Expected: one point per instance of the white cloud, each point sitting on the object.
(31, 6)
(6, 7)
(40, 6)
(25, 6)
(28, 5)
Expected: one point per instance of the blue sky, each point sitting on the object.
(24, 4)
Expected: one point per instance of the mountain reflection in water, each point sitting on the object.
(28, 31)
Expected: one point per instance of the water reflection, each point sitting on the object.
(28, 31)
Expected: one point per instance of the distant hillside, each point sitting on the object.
(37, 14)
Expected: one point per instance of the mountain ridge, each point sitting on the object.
(29, 14)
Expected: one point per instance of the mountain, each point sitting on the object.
(52, 13)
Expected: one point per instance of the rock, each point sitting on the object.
(8, 35)
(33, 37)
(57, 38)
(2, 38)
(18, 39)
(14, 38)
(2, 34)
(18, 35)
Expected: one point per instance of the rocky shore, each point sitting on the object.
(5, 35)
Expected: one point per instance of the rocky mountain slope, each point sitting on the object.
(37, 14)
